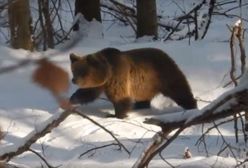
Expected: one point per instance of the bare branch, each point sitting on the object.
(99, 147)
(233, 69)
(34, 136)
(44, 160)
(102, 127)
(55, 120)
(238, 101)
(210, 13)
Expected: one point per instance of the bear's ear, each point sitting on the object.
(74, 58)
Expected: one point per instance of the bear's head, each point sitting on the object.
(89, 71)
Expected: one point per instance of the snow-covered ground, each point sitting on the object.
(24, 108)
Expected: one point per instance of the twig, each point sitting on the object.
(230, 82)
(44, 160)
(204, 141)
(161, 156)
(223, 139)
(241, 163)
(211, 128)
(127, 18)
(129, 12)
(139, 140)
(210, 13)
(105, 129)
(99, 147)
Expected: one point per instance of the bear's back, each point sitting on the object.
(154, 59)
(149, 55)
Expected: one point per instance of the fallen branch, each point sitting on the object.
(55, 120)
(230, 103)
(16, 66)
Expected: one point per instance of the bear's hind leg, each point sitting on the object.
(185, 100)
(142, 105)
(122, 107)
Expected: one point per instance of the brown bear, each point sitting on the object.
(129, 76)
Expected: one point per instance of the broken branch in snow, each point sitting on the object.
(209, 113)
(237, 33)
(240, 36)
(54, 121)
(230, 103)
(233, 69)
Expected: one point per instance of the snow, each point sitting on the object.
(25, 108)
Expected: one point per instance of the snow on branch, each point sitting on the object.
(9, 152)
(228, 104)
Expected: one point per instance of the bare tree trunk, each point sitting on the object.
(19, 21)
(147, 18)
(42, 25)
(48, 24)
(90, 9)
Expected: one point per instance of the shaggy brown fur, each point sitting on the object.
(129, 76)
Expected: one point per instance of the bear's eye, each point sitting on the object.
(83, 73)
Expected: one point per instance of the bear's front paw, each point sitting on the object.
(110, 115)
(74, 100)
(115, 116)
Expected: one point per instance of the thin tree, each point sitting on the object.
(90, 9)
(147, 18)
(19, 21)
(47, 25)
